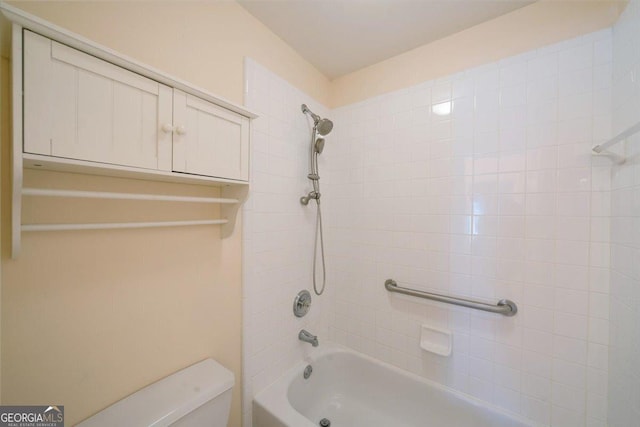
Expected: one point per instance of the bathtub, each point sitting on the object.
(353, 390)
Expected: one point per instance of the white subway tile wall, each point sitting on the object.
(624, 355)
(278, 233)
(482, 184)
(479, 184)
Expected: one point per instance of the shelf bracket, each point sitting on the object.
(230, 211)
(16, 146)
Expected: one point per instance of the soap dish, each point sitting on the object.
(435, 340)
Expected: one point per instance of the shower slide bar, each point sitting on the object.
(505, 307)
(602, 148)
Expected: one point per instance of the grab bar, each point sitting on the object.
(504, 306)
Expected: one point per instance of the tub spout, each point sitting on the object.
(308, 337)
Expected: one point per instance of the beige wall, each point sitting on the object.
(530, 27)
(89, 317)
(4, 185)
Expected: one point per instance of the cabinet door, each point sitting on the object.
(209, 140)
(80, 107)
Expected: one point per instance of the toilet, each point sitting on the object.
(197, 396)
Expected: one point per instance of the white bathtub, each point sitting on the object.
(353, 390)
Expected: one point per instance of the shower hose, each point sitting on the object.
(315, 251)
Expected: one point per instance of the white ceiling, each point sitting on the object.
(341, 36)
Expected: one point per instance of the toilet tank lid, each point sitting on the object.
(168, 399)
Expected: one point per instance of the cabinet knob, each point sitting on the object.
(167, 128)
(180, 130)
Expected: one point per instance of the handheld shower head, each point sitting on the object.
(319, 145)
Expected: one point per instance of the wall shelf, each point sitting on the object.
(233, 187)
(61, 164)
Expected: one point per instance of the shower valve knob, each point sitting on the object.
(302, 303)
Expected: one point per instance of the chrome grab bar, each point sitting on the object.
(504, 306)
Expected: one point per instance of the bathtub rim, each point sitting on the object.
(275, 395)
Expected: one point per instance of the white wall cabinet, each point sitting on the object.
(83, 108)
(79, 107)
(209, 140)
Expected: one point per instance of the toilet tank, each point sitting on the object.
(197, 396)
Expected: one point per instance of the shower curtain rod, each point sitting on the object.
(504, 306)
(601, 149)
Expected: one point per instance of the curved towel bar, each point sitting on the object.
(504, 306)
